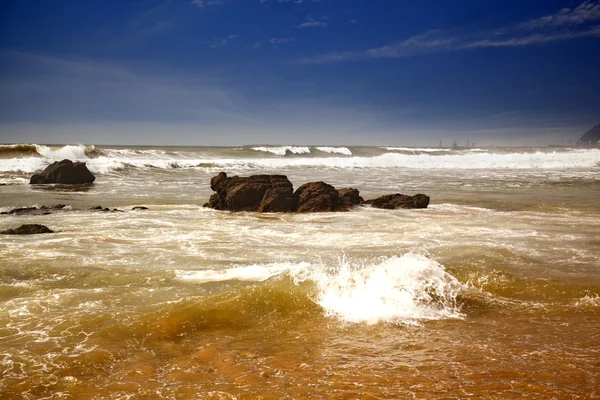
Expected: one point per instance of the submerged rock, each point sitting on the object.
(28, 229)
(64, 172)
(43, 210)
(264, 193)
(139, 208)
(393, 201)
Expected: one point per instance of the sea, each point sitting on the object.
(492, 292)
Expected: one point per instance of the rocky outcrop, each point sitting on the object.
(263, 193)
(350, 197)
(591, 137)
(43, 210)
(393, 201)
(64, 172)
(29, 229)
(139, 208)
(318, 197)
(274, 193)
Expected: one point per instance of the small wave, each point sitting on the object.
(283, 150)
(15, 150)
(335, 150)
(402, 290)
(252, 273)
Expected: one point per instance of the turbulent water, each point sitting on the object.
(493, 292)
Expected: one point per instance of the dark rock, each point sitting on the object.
(96, 208)
(393, 201)
(264, 193)
(350, 197)
(318, 197)
(54, 207)
(64, 172)
(140, 208)
(29, 229)
(28, 211)
(116, 210)
(591, 137)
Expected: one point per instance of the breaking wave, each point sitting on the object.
(27, 158)
(283, 150)
(401, 290)
(335, 150)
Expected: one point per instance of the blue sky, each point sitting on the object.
(232, 72)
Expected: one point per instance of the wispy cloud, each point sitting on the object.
(222, 42)
(566, 24)
(275, 42)
(311, 22)
(293, 1)
(585, 12)
(206, 3)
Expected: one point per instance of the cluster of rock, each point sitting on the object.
(32, 229)
(64, 172)
(262, 193)
(275, 193)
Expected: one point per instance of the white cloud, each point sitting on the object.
(275, 42)
(566, 24)
(281, 40)
(222, 42)
(206, 3)
(311, 22)
(585, 12)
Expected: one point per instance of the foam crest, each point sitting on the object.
(336, 150)
(283, 150)
(401, 290)
(252, 273)
(71, 152)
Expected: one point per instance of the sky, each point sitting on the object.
(330, 72)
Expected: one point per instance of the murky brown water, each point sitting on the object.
(491, 293)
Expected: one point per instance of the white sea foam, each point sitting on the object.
(71, 152)
(282, 150)
(253, 273)
(335, 150)
(402, 290)
(117, 159)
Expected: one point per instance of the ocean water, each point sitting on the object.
(493, 292)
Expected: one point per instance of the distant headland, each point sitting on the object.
(589, 139)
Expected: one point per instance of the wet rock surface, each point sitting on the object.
(64, 172)
(394, 201)
(274, 193)
(27, 229)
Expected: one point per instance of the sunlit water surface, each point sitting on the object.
(493, 292)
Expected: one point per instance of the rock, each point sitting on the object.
(591, 137)
(139, 208)
(54, 207)
(263, 193)
(64, 172)
(28, 211)
(274, 193)
(29, 229)
(96, 208)
(318, 197)
(350, 197)
(393, 201)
